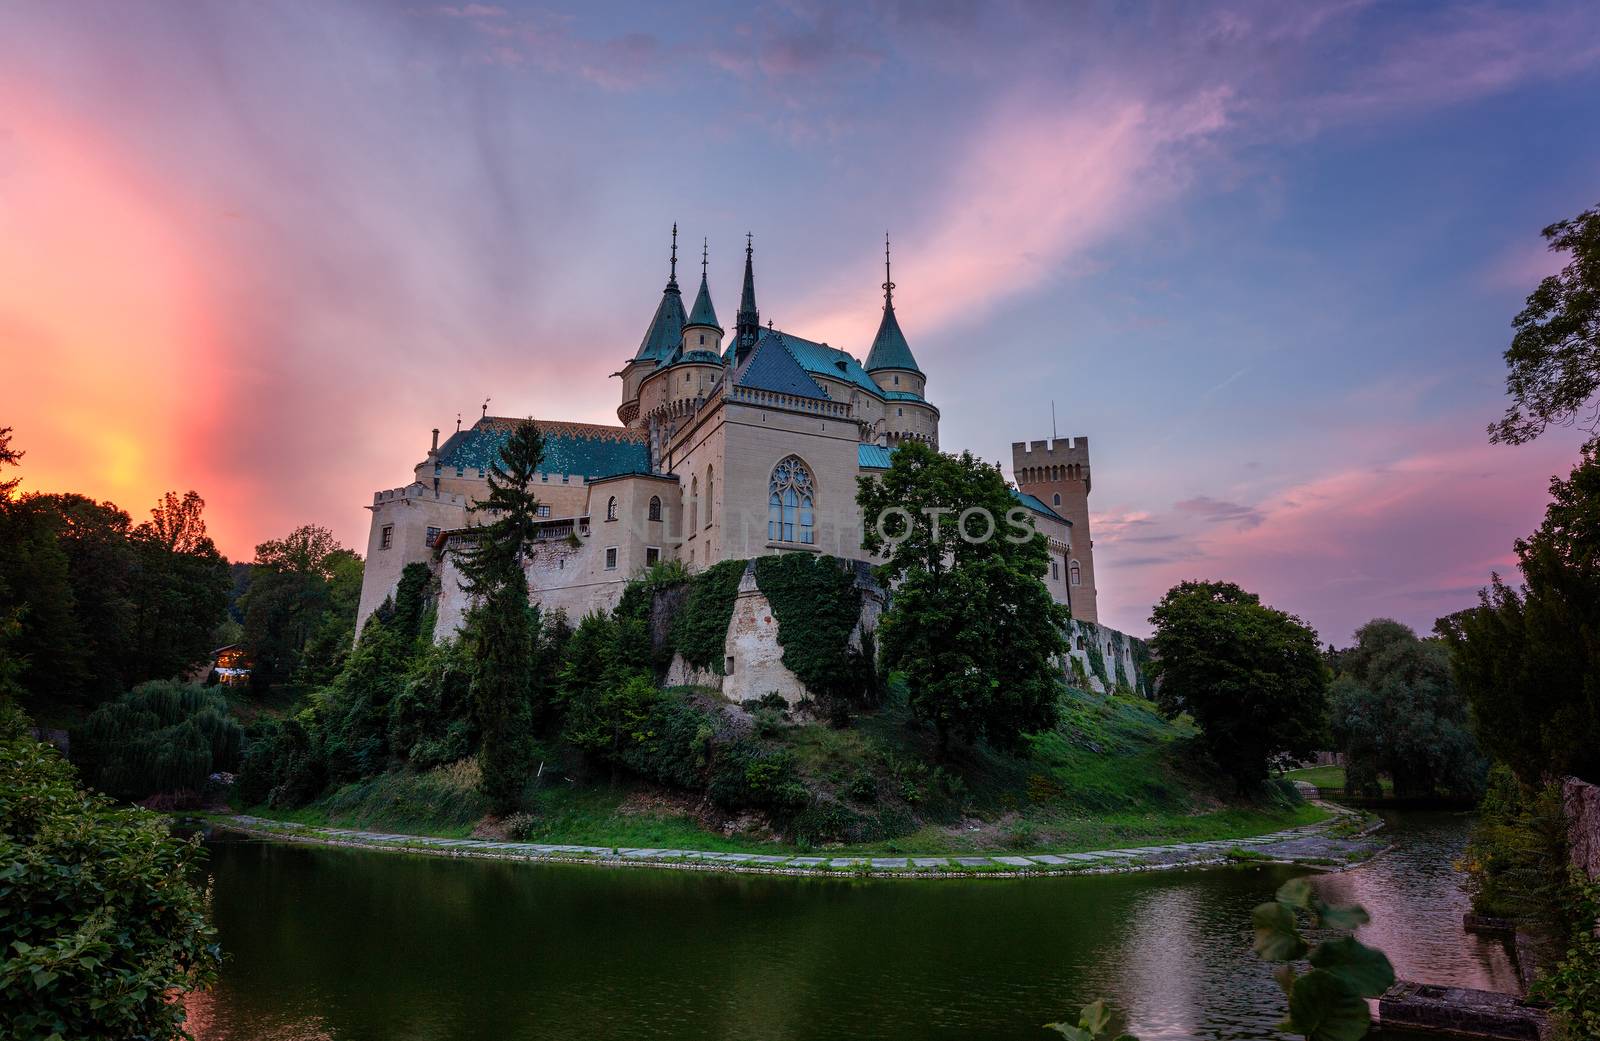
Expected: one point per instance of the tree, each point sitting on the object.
(1250, 676)
(1528, 661)
(8, 457)
(105, 922)
(177, 525)
(501, 629)
(1554, 357)
(291, 589)
(971, 623)
(180, 589)
(1395, 710)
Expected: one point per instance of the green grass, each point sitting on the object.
(1114, 774)
(1330, 778)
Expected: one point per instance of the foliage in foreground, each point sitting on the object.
(1396, 711)
(103, 925)
(1249, 675)
(1328, 1002)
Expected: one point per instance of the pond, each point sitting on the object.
(346, 944)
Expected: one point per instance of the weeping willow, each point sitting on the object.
(161, 736)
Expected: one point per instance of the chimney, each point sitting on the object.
(435, 449)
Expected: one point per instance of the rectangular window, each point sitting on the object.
(433, 535)
(652, 556)
(386, 538)
(1055, 570)
(611, 558)
(542, 510)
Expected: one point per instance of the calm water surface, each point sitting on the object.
(329, 943)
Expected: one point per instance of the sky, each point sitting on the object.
(1264, 256)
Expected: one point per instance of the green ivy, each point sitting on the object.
(700, 629)
(817, 606)
(1097, 658)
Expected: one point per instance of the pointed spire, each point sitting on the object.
(703, 313)
(748, 325)
(672, 279)
(889, 347)
(665, 333)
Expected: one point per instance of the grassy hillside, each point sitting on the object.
(1112, 774)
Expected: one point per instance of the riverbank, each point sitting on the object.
(1342, 839)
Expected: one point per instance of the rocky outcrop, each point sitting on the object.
(1580, 801)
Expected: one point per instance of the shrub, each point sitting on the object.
(822, 823)
(431, 721)
(159, 737)
(280, 766)
(676, 747)
(744, 775)
(103, 923)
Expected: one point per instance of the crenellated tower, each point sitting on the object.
(1057, 472)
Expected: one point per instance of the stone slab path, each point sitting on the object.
(1325, 844)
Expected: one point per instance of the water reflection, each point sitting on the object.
(343, 944)
(1415, 897)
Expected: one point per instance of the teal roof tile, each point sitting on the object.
(902, 395)
(873, 457)
(1037, 505)
(770, 365)
(889, 347)
(822, 360)
(587, 449)
(703, 313)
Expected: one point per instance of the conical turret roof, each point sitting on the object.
(889, 347)
(665, 333)
(703, 313)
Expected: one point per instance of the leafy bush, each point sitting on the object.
(281, 766)
(103, 924)
(745, 775)
(1572, 986)
(161, 736)
(431, 721)
(676, 747)
(822, 823)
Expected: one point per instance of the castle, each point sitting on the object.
(724, 451)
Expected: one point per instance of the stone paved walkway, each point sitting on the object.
(1315, 844)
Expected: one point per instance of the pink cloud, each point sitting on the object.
(1413, 538)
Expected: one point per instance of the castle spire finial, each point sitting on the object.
(705, 251)
(888, 283)
(672, 279)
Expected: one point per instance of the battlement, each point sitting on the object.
(416, 491)
(1061, 451)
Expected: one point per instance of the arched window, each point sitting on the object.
(1057, 499)
(1073, 574)
(694, 505)
(655, 507)
(711, 494)
(611, 508)
(791, 499)
(1055, 570)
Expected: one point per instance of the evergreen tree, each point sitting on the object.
(501, 630)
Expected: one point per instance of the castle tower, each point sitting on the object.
(1057, 472)
(701, 332)
(661, 340)
(894, 369)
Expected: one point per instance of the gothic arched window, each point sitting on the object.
(1073, 574)
(611, 508)
(1057, 500)
(791, 499)
(694, 505)
(655, 507)
(711, 494)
